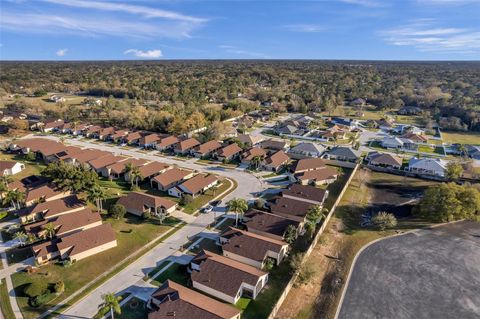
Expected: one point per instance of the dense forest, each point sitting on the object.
(179, 95)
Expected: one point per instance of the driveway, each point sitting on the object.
(429, 273)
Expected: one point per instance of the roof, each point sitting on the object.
(168, 141)
(415, 137)
(427, 163)
(249, 139)
(6, 165)
(290, 207)
(288, 129)
(392, 140)
(224, 274)
(268, 222)
(277, 159)
(107, 131)
(308, 164)
(187, 144)
(138, 201)
(98, 163)
(305, 192)
(53, 124)
(254, 152)
(88, 155)
(171, 176)
(318, 174)
(68, 152)
(119, 167)
(385, 159)
(345, 152)
(133, 136)
(250, 245)
(152, 168)
(230, 150)
(119, 133)
(94, 129)
(198, 182)
(57, 206)
(43, 191)
(149, 139)
(208, 147)
(43, 249)
(274, 144)
(185, 303)
(306, 147)
(87, 239)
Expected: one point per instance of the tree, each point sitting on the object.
(259, 203)
(238, 206)
(50, 230)
(256, 162)
(214, 189)
(135, 175)
(384, 220)
(97, 194)
(118, 211)
(269, 264)
(21, 236)
(110, 303)
(14, 197)
(290, 234)
(454, 171)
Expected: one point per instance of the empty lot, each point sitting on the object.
(428, 273)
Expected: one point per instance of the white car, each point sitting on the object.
(208, 209)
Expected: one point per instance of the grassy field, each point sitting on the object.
(132, 234)
(461, 138)
(175, 272)
(5, 305)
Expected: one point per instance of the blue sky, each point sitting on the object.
(241, 29)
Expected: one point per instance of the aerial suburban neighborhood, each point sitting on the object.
(239, 159)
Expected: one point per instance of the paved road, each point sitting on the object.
(429, 273)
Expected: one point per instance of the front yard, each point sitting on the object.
(176, 272)
(133, 309)
(209, 195)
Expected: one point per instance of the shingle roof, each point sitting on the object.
(277, 159)
(318, 174)
(87, 239)
(268, 223)
(88, 155)
(185, 303)
(152, 168)
(187, 144)
(133, 136)
(198, 182)
(249, 139)
(224, 274)
(57, 206)
(345, 152)
(6, 165)
(98, 163)
(308, 164)
(138, 200)
(149, 139)
(171, 176)
(208, 147)
(230, 150)
(253, 152)
(290, 207)
(305, 192)
(119, 167)
(43, 191)
(306, 147)
(384, 159)
(168, 141)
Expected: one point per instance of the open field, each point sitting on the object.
(461, 138)
(391, 276)
(344, 237)
(132, 234)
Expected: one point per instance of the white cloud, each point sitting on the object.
(426, 37)
(307, 28)
(149, 54)
(61, 52)
(365, 3)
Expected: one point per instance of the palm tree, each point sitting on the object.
(237, 205)
(15, 197)
(6, 179)
(256, 161)
(21, 236)
(135, 175)
(128, 170)
(110, 303)
(314, 215)
(97, 194)
(463, 150)
(3, 189)
(50, 229)
(214, 189)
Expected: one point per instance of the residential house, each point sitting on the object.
(46, 192)
(118, 170)
(225, 278)
(149, 170)
(51, 209)
(473, 152)
(272, 145)
(138, 203)
(64, 154)
(85, 156)
(170, 178)
(186, 146)
(427, 166)
(290, 208)
(285, 129)
(268, 224)
(194, 186)
(119, 135)
(384, 160)
(351, 124)
(250, 248)
(206, 149)
(406, 128)
(149, 141)
(105, 133)
(99, 164)
(392, 142)
(252, 153)
(229, 152)
(416, 138)
(76, 246)
(249, 140)
(52, 126)
(342, 153)
(276, 161)
(306, 193)
(313, 171)
(172, 300)
(132, 138)
(78, 129)
(10, 168)
(93, 131)
(306, 149)
(167, 143)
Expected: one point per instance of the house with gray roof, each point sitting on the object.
(342, 153)
(307, 149)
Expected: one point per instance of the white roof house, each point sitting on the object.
(428, 166)
(392, 142)
(308, 149)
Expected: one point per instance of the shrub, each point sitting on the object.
(118, 211)
(269, 264)
(59, 287)
(307, 271)
(384, 220)
(259, 203)
(42, 299)
(147, 215)
(36, 288)
(187, 199)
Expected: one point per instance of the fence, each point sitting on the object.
(290, 284)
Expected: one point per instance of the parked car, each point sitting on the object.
(208, 209)
(215, 203)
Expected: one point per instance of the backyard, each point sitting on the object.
(461, 137)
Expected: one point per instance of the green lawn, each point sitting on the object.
(335, 188)
(243, 303)
(132, 234)
(31, 168)
(205, 243)
(5, 305)
(133, 309)
(203, 199)
(228, 222)
(156, 269)
(461, 137)
(16, 255)
(175, 272)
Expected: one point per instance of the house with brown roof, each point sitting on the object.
(77, 245)
(170, 178)
(132, 138)
(138, 203)
(167, 143)
(64, 154)
(10, 168)
(250, 248)
(186, 146)
(149, 140)
(290, 208)
(118, 135)
(225, 278)
(250, 140)
(206, 149)
(50, 209)
(79, 129)
(93, 131)
(229, 152)
(306, 193)
(52, 126)
(417, 138)
(98, 164)
(46, 192)
(194, 186)
(40, 146)
(250, 154)
(105, 133)
(313, 171)
(268, 224)
(274, 145)
(66, 223)
(172, 300)
(149, 170)
(118, 169)
(85, 156)
(384, 160)
(276, 161)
